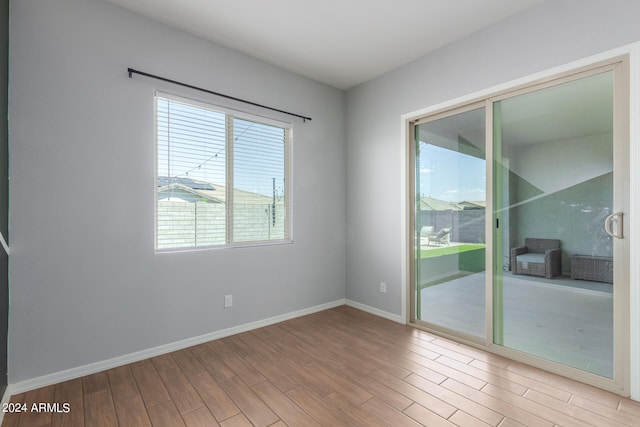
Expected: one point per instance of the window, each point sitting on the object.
(222, 177)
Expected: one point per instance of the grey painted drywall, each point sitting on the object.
(4, 188)
(4, 129)
(86, 284)
(553, 33)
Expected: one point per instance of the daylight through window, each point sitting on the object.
(221, 176)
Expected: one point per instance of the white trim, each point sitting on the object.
(404, 255)
(80, 371)
(634, 217)
(5, 245)
(376, 311)
(633, 50)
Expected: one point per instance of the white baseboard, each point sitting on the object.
(381, 313)
(92, 368)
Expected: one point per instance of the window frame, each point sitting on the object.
(230, 115)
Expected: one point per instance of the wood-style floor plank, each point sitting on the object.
(237, 421)
(201, 417)
(349, 389)
(271, 372)
(356, 415)
(436, 366)
(132, 412)
(316, 407)
(483, 375)
(150, 385)
(339, 367)
(182, 393)
(571, 410)
(99, 410)
(506, 404)
(35, 416)
(422, 395)
(488, 414)
(380, 390)
(165, 414)
(522, 380)
(251, 406)
(286, 409)
(425, 416)
(218, 370)
(390, 415)
(461, 418)
(69, 392)
(218, 402)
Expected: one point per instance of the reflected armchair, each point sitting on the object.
(538, 257)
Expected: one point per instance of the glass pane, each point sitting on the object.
(553, 178)
(450, 222)
(190, 209)
(259, 181)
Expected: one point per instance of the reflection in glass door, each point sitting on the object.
(553, 183)
(449, 221)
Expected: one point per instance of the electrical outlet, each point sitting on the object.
(383, 287)
(228, 301)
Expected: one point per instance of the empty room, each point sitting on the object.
(320, 213)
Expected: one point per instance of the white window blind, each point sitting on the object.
(222, 176)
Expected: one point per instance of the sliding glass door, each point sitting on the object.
(556, 223)
(518, 224)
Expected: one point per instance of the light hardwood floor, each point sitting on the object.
(340, 367)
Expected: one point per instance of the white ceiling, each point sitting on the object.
(338, 42)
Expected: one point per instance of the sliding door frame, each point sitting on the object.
(624, 63)
(619, 382)
(412, 223)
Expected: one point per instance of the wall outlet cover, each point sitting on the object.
(383, 287)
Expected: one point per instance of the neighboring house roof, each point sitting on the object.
(481, 204)
(187, 182)
(203, 190)
(431, 204)
(178, 191)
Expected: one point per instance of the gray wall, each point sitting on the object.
(551, 34)
(4, 188)
(4, 130)
(86, 284)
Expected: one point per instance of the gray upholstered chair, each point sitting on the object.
(538, 257)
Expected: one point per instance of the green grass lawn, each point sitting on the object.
(448, 250)
(449, 262)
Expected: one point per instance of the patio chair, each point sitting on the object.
(439, 238)
(426, 230)
(538, 257)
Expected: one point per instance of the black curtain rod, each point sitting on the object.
(164, 79)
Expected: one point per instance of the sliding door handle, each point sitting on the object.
(617, 218)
